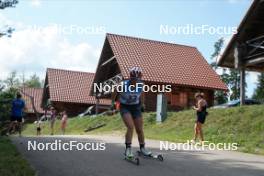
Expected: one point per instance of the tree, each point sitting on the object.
(6, 98)
(8, 91)
(34, 81)
(259, 91)
(12, 81)
(217, 49)
(8, 87)
(220, 96)
(5, 4)
(234, 84)
(231, 79)
(2, 86)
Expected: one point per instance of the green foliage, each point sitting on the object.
(7, 93)
(231, 79)
(259, 91)
(11, 162)
(9, 88)
(242, 125)
(12, 81)
(5, 104)
(7, 3)
(218, 46)
(220, 96)
(34, 81)
(234, 84)
(2, 86)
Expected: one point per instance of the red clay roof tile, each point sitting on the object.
(164, 62)
(71, 86)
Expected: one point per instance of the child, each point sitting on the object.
(38, 128)
(64, 122)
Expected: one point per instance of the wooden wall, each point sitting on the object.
(178, 99)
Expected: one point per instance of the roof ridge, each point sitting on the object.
(58, 69)
(150, 40)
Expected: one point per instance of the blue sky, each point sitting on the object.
(134, 18)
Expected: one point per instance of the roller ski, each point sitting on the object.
(147, 154)
(129, 156)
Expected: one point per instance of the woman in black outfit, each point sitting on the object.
(201, 114)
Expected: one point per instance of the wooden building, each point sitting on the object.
(181, 66)
(245, 51)
(69, 90)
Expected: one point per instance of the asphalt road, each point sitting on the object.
(110, 162)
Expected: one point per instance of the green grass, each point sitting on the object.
(11, 162)
(242, 125)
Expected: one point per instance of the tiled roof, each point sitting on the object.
(71, 86)
(164, 62)
(32, 92)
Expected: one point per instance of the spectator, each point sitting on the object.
(18, 105)
(201, 114)
(52, 119)
(64, 121)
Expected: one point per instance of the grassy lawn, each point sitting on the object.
(242, 125)
(11, 162)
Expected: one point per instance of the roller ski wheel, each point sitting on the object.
(160, 157)
(151, 156)
(134, 160)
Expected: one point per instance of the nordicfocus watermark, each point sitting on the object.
(124, 87)
(206, 145)
(58, 145)
(69, 29)
(190, 29)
